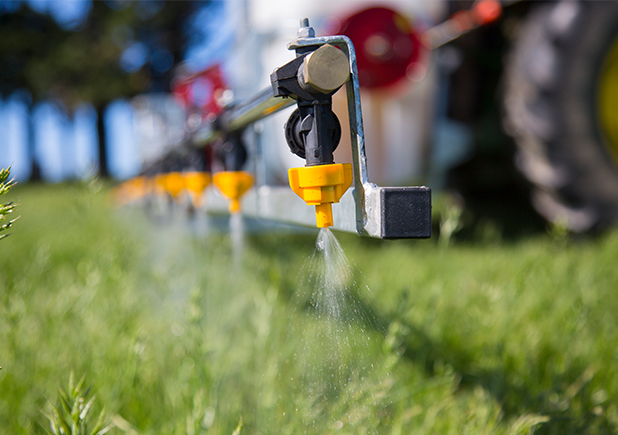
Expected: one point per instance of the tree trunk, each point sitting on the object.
(103, 168)
(35, 172)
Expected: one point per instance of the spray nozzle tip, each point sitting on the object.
(324, 215)
(321, 185)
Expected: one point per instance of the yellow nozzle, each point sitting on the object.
(321, 186)
(233, 185)
(171, 182)
(195, 183)
(130, 190)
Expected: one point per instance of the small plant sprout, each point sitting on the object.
(6, 209)
(238, 428)
(70, 416)
(451, 221)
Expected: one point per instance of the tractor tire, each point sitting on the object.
(557, 77)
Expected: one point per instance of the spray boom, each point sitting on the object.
(322, 66)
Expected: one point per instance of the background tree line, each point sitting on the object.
(117, 50)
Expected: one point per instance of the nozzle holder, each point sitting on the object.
(232, 152)
(321, 185)
(298, 128)
(313, 130)
(311, 79)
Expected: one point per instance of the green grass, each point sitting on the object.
(6, 209)
(174, 338)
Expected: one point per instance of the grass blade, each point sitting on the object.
(86, 409)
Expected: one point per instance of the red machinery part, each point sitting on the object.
(387, 47)
(200, 91)
(483, 12)
(487, 11)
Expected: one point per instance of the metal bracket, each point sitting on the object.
(384, 212)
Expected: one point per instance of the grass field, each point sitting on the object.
(176, 337)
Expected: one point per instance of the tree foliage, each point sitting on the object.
(87, 64)
(84, 65)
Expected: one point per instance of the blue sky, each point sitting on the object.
(67, 148)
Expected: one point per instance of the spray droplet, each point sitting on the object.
(320, 242)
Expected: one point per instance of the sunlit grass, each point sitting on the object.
(7, 208)
(71, 415)
(175, 338)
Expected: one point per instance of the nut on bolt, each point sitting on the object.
(326, 69)
(305, 31)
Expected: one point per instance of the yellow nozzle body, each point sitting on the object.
(131, 190)
(170, 182)
(321, 186)
(233, 185)
(174, 183)
(195, 183)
